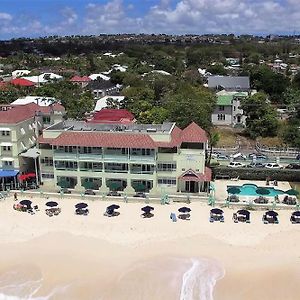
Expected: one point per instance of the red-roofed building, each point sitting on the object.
(22, 82)
(109, 116)
(103, 155)
(82, 81)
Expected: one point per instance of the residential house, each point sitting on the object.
(229, 83)
(106, 101)
(109, 116)
(101, 88)
(81, 81)
(228, 111)
(159, 159)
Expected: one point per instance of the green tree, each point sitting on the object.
(214, 138)
(261, 116)
(217, 69)
(291, 135)
(188, 103)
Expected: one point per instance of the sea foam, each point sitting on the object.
(199, 280)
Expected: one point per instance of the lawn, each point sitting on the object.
(227, 137)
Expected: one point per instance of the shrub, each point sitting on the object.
(257, 174)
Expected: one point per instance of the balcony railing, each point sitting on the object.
(57, 168)
(113, 157)
(141, 172)
(92, 156)
(90, 170)
(142, 157)
(115, 171)
(65, 155)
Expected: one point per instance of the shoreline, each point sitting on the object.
(88, 254)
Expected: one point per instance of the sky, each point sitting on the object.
(34, 18)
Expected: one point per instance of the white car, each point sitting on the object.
(273, 166)
(236, 164)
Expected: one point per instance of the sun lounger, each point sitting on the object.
(173, 217)
(235, 178)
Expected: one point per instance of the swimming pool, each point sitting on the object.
(250, 190)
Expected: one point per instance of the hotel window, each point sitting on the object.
(48, 161)
(6, 148)
(221, 107)
(166, 167)
(7, 163)
(47, 176)
(5, 133)
(168, 181)
(46, 119)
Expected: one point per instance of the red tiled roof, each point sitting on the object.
(112, 116)
(77, 78)
(21, 82)
(47, 109)
(43, 140)
(193, 134)
(191, 175)
(175, 139)
(105, 139)
(18, 113)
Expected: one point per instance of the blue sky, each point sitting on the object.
(31, 18)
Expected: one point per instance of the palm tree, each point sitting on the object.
(213, 140)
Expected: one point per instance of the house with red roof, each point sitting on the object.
(108, 155)
(110, 116)
(22, 82)
(82, 81)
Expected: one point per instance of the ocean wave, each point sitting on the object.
(199, 280)
(24, 283)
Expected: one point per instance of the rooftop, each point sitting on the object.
(72, 125)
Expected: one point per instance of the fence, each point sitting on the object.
(279, 151)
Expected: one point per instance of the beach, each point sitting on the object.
(128, 257)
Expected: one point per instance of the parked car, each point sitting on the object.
(236, 164)
(238, 156)
(223, 156)
(293, 166)
(258, 156)
(298, 156)
(273, 166)
(114, 194)
(140, 195)
(89, 192)
(256, 165)
(64, 191)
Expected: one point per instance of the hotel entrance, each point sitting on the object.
(192, 186)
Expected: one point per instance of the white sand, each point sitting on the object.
(93, 256)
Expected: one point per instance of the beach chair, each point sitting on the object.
(173, 217)
(235, 218)
(235, 178)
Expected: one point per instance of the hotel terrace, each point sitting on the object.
(125, 157)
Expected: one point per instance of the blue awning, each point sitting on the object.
(8, 173)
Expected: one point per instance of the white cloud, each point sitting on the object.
(184, 16)
(5, 16)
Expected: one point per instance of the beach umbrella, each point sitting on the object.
(296, 213)
(113, 207)
(292, 192)
(272, 213)
(233, 190)
(26, 203)
(147, 208)
(184, 209)
(216, 211)
(262, 191)
(243, 212)
(81, 205)
(51, 204)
